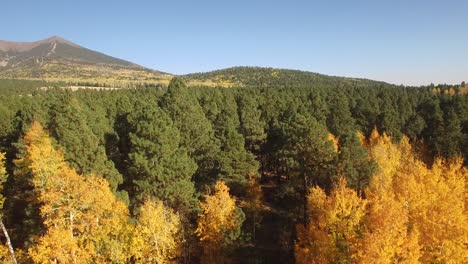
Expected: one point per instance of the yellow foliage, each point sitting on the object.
(374, 137)
(84, 221)
(414, 213)
(433, 200)
(334, 141)
(386, 238)
(5, 255)
(57, 246)
(387, 156)
(3, 178)
(216, 216)
(42, 159)
(219, 218)
(362, 138)
(156, 237)
(334, 227)
(441, 216)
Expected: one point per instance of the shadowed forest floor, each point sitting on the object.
(269, 246)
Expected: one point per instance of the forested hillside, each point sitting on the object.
(281, 167)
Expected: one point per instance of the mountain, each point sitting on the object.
(56, 58)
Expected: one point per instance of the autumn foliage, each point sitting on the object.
(218, 223)
(409, 213)
(157, 236)
(84, 222)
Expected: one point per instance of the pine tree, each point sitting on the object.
(308, 155)
(158, 163)
(196, 131)
(235, 164)
(82, 148)
(339, 119)
(354, 162)
(251, 124)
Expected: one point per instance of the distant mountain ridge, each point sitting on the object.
(55, 58)
(270, 77)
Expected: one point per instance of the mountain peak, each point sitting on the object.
(57, 39)
(6, 45)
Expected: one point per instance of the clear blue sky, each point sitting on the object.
(399, 41)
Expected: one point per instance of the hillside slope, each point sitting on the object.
(271, 77)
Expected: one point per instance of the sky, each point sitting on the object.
(410, 42)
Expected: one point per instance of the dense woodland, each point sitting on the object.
(283, 169)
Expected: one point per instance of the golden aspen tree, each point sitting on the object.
(156, 236)
(442, 220)
(433, 199)
(414, 213)
(105, 222)
(218, 224)
(58, 247)
(386, 238)
(332, 233)
(4, 254)
(314, 243)
(84, 221)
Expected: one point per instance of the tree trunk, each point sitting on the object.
(8, 242)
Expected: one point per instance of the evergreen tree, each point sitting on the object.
(158, 164)
(339, 119)
(308, 155)
(82, 147)
(354, 162)
(196, 131)
(235, 164)
(251, 124)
